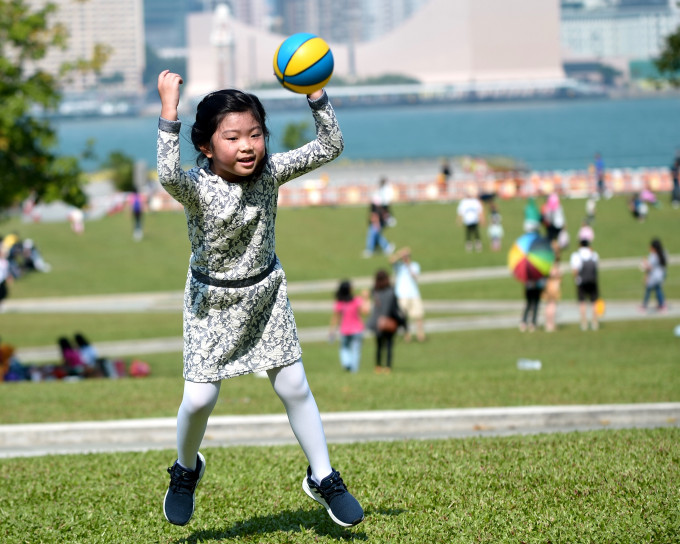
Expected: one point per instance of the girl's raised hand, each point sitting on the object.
(316, 95)
(168, 90)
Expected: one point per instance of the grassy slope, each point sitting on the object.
(617, 486)
(624, 362)
(313, 243)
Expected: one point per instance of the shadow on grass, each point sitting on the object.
(291, 521)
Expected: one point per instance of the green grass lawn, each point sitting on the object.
(604, 487)
(610, 486)
(624, 362)
(312, 243)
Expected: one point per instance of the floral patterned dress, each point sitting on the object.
(230, 331)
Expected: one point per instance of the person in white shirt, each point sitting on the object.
(406, 274)
(471, 215)
(381, 201)
(5, 276)
(584, 265)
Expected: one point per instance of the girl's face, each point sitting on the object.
(237, 147)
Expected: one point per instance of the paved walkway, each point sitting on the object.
(147, 434)
(484, 314)
(138, 435)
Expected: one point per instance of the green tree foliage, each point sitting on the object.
(27, 162)
(122, 170)
(668, 62)
(295, 135)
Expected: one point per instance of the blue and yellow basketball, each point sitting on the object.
(303, 63)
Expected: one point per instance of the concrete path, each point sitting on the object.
(149, 434)
(139, 435)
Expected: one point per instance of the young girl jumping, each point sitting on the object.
(237, 317)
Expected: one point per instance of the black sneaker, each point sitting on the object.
(178, 505)
(332, 494)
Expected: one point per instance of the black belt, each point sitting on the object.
(246, 282)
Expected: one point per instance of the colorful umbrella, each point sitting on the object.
(531, 257)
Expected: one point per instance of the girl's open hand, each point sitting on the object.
(168, 90)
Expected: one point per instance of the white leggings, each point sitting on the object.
(290, 384)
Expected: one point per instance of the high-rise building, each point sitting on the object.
(255, 13)
(446, 42)
(165, 23)
(345, 21)
(118, 26)
(627, 30)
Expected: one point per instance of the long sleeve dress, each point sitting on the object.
(230, 331)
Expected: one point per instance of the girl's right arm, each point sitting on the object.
(168, 90)
(170, 173)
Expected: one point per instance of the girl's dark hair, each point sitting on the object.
(215, 106)
(64, 344)
(658, 249)
(81, 341)
(344, 292)
(382, 280)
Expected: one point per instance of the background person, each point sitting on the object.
(495, 230)
(70, 358)
(137, 209)
(584, 268)
(654, 267)
(532, 299)
(374, 235)
(553, 217)
(470, 213)
(88, 354)
(552, 294)
(406, 274)
(600, 175)
(381, 202)
(347, 318)
(384, 321)
(675, 177)
(5, 276)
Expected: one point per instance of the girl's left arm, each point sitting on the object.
(327, 145)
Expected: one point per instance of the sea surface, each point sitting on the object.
(544, 135)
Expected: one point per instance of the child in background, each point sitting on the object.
(406, 273)
(70, 357)
(552, 294)
(591, 206)
(347, 318)
(495, 230)
(654, 267)
(237, 316)
(88, 354)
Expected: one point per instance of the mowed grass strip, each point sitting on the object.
(624, 362)
(608, 486)
(312, 243)
(614, 486)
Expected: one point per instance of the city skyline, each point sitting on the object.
(605, 32)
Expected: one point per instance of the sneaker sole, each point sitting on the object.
(193, 506)
(318, 498)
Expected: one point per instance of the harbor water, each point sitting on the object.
(543, 135)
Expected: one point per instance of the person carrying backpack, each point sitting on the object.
(584, 267)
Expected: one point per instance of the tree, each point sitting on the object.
(669, 61)
(122, 170)
(295, 135)
(28, 166)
